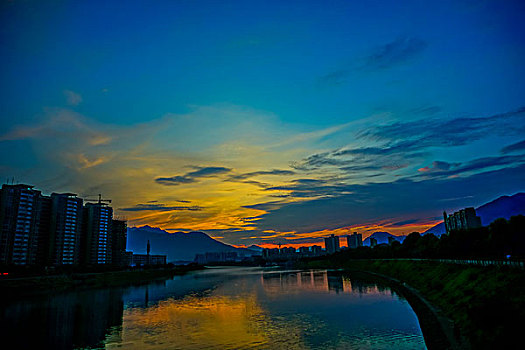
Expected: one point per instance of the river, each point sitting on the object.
(220, 308)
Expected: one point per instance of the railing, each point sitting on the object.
(480, 262)
(510, 263)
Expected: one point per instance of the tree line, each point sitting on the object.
(501, 239)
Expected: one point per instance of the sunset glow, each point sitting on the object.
(267, 123)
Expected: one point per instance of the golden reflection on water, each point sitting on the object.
(202, 322)
(232, 317)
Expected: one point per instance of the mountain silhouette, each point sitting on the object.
(502, 207)
(178, 246)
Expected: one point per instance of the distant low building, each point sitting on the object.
(461, 220)
(316, 250)
(146, 259)
(288, 251)
(304, 250)
(269, 253)
(216, 257)
(373, 242)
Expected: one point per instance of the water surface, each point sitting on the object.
(221, 308)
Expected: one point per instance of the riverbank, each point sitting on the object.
(486, 304)
(38, 285)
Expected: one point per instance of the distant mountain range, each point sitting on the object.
(502, 207)
(178, 246)
(183, 246)
(382, 237)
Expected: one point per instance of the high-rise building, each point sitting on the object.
(373, 242)
(119, 230)
(65, 229)
(19, 226)
(96, 243)
(44, 224)
(461, 220)
(331, 244)
(354, 240)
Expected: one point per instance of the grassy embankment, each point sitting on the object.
(20, 287)
(487, 304)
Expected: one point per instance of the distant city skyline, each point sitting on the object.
(267, 123)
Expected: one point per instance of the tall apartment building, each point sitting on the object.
(331, 244)
(354, 240)
(19, 229)
(96, 244)
(65, 229)
(58, 230)
(118, 242)
(461, 220)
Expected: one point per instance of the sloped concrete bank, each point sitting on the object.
(438, 330)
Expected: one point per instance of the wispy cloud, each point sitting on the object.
(277, 172)
(159, 207)
(73, 98)
(437, 166)
(395, 145)
(395, 52)
(382, 57)
(515, 147)
(192, 176)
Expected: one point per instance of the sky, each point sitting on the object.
(266, 122)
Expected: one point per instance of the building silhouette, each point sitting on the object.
(19, 224)
(354, 240)
(65, 229)
(119, 233)
(373, 242)
(97, 234)
(461, 220)
(331, 244)
(58, 230)
(145, 260)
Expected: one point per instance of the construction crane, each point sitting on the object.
(99, 200)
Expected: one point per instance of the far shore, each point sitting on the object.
(13, 288)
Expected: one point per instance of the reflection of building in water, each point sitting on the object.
(321, 281)
(306, 280)
(72, 320)
(335, 282)
(363, 287)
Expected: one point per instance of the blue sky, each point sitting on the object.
(303, 105)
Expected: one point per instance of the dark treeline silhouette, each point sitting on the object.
(496, 241)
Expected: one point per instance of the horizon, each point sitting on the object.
(267, 124)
